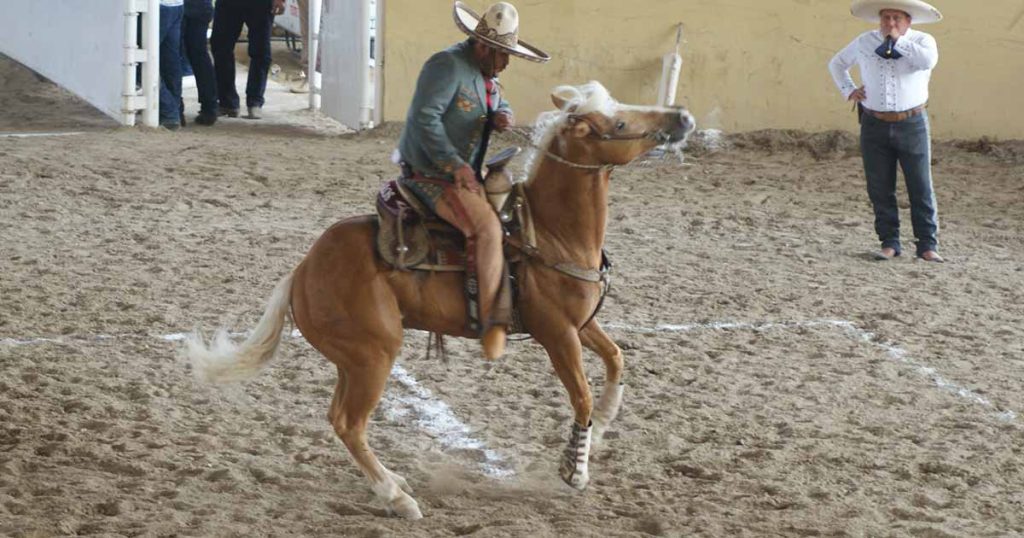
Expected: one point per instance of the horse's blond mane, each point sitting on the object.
(582, 99)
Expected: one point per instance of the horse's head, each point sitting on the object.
(591, 128)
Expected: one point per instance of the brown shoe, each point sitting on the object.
(931, 256)
(885, 254)
(494, 342)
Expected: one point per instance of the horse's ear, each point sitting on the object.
(560, 103)
(577, 128)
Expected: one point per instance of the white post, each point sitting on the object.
(671, 65)
(366, 114)
(151, 68)
(131, 34)
(312, 46)
(377, 84)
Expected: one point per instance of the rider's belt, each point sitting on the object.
(893, 117)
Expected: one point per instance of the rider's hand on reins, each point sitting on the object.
(504, 120)
(465, 178)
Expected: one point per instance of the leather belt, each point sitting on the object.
(893, 117)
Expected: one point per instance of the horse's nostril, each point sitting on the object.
(689, 124)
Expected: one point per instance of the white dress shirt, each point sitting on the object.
(891, 85)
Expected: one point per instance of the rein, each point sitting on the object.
(563, 160)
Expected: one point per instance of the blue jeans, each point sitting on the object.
(170, 63)
(229, 15)
(908, 143)
(198, 14)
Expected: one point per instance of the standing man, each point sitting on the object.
(171, 12)
(895, 64)
(456, 105)
(228, 17)
(198, 14)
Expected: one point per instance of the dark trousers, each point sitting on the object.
(907, 143)
(198, 14)
(229, 15)
(170, 64)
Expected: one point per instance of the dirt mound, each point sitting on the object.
(827, 145)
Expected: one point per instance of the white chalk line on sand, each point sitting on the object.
(417, 403)
(33, 135)
(437, 420)
(892, 351)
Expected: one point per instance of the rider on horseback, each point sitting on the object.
(456, 106)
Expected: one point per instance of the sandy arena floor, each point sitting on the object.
(779, 383)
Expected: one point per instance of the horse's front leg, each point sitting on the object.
(595, 339)
(566, 356)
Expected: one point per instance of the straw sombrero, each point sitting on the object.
(499, 28)
(920, 12)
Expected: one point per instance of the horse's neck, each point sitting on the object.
(569, 207)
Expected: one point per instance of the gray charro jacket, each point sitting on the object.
(448, 112)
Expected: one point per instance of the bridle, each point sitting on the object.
(659, 136)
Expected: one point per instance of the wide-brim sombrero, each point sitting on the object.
(469, 22)
(920, 12)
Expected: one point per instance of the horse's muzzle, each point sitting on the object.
(684, 125)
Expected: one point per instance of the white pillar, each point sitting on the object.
(151, 68)
(312, 48)
(129, 63)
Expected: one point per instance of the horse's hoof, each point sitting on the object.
(406, 507)
(576, 480)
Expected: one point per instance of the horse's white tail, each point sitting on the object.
(225, 361)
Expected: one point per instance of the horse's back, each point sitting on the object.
(342, 284)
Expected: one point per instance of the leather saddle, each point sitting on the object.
(411, 237)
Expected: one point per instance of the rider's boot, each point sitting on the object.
(494, 342)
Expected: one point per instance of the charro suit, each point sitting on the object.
(447, 117)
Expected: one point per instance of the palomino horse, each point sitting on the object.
(353, 308)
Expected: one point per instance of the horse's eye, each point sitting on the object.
(620, 126)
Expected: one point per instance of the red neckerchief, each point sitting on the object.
(489, 85)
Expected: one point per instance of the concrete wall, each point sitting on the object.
(747, 64)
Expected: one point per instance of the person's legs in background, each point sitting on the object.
(880, 171)
(303, 86)
(170, 66)
(915, 155)
(259, 18)
(228, 17)
(198, 14)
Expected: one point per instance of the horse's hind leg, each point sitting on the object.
(360, 386)
(595, 339)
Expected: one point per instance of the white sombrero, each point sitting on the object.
(920, 12)
(499, 28)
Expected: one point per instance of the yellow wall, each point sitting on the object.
(747, 64)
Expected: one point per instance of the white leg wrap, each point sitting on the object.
(573, 469)
(607, 409)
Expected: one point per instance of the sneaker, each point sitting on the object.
(170, 125)
(301, 88)
(255, 112)
(229, 112)
(206, 118)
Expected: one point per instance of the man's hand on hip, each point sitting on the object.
(465, 178)
(858, 95)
